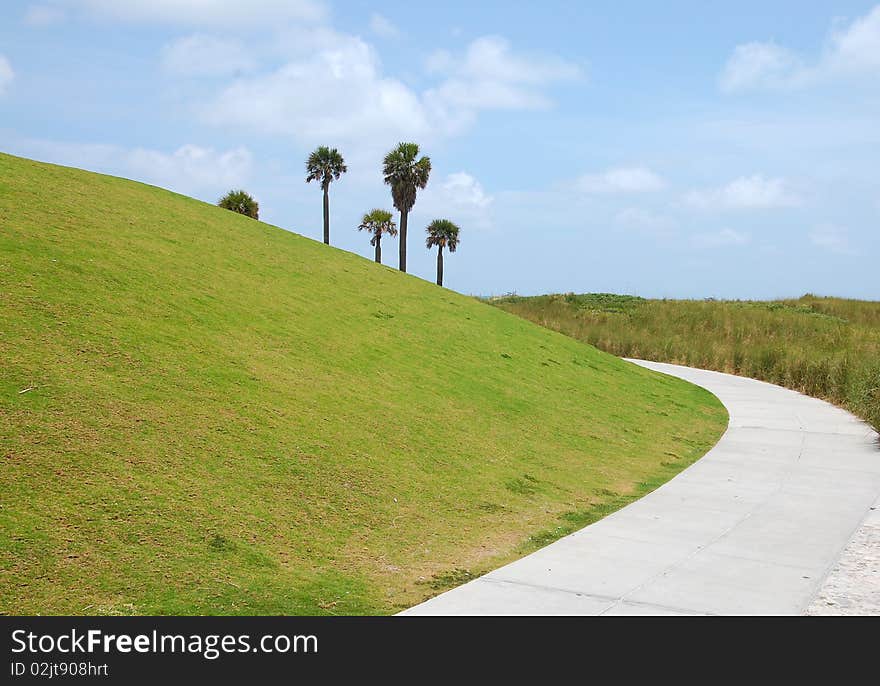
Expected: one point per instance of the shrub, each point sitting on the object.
(241, 202)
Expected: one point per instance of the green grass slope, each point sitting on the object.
(201, 413)
(825, 347)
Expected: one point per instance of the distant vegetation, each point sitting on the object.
(825, 347)
(241, 202)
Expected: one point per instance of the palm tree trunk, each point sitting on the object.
(327, 214)
(440, 265)
(402, 264)
(379, 249)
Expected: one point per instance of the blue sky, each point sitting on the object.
(663, 149)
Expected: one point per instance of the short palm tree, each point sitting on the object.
(378, 222)
(325, 165)
(405, 174)
(241, 202)
(444, 234)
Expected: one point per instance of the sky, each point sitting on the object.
(678, 149)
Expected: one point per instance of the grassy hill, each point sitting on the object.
(825, 347)
(201, 413)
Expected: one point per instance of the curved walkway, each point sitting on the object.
(754, 527)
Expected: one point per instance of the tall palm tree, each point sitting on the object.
(405, 174)
(325, 165)
(444, 234)
(378, 222)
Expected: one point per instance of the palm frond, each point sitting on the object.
(325, 165)
(378, 222)
(442, 233)
(405, 174)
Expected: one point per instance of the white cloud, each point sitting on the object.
(6, 74)
(43, 15)
(201, 55)
(745, 193)
(336, 93)
(464, 189)
(333, 87)
(383, 27)
(191, 169)
(490, 58)
(621, 180)
(228, 14)
(489, 75)
(722, 238)
(459, 197)
(832, 238)
(760, 65)
(857, 47)
(851, 50)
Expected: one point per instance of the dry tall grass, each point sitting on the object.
(825, 347)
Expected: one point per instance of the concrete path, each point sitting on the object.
(754, 527)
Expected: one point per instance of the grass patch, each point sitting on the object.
(443, 581)
(524, 485)
(604, 503)
(224, 417)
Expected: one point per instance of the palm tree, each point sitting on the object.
(405, 174)
(444, 234)
(325, 165)
(241, 202)
(378, 222)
